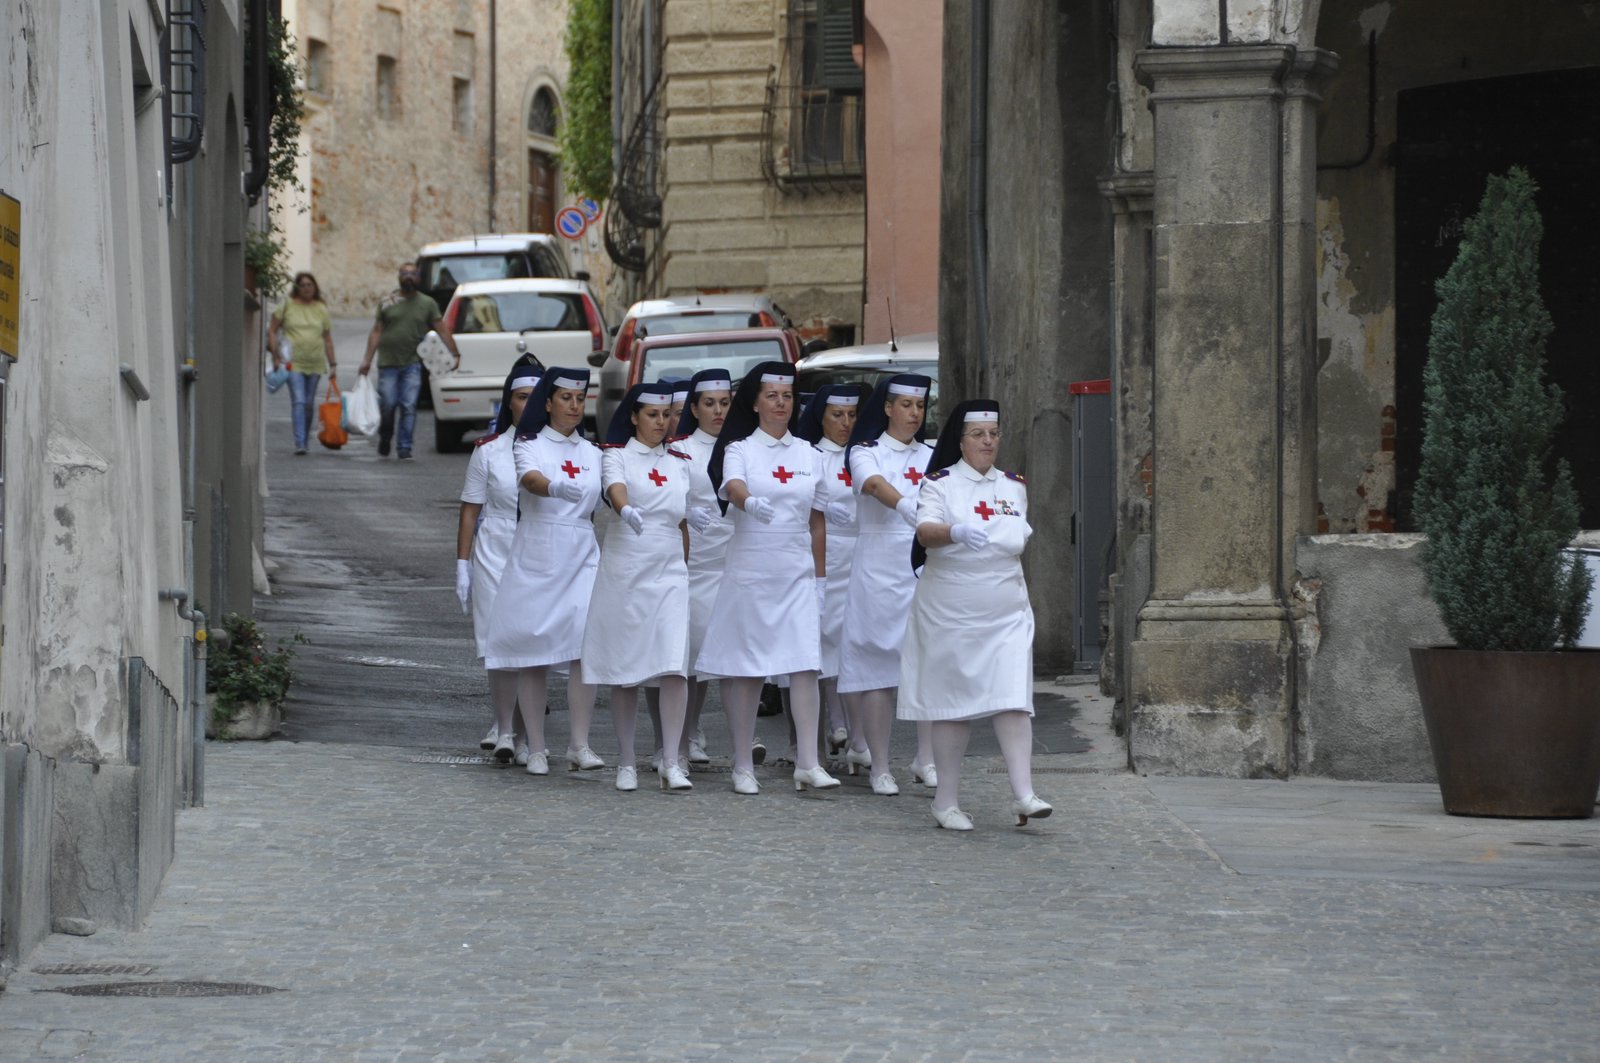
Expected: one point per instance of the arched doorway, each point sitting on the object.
(544, 169)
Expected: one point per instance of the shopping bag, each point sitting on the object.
(333, 436)
(276, 378)
(361, 414)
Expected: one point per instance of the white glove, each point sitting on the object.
(568, 489)
(700, 517)
(759, 508)
(822, 594)
(841, 512)
(463, 582)
(907, 508)
(633, 519)
(972, 536)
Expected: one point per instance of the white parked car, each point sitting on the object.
(666, 317)
(558, 321)
(870, 363)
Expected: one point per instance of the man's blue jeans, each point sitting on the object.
(303, 404)
(398, 388)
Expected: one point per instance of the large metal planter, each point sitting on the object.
(1513, 734)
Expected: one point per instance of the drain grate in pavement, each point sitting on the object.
(449, 758)
(389, 662)
(166, 989)
(96, 968)
(1064, 771)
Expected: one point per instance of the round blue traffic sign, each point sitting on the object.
(571, 223)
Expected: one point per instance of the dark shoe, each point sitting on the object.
(405, 455)
(299, 450)
(771, 701)
(383, 447)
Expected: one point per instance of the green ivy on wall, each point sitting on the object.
(586, 127)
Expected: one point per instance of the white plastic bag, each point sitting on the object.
(361, 413)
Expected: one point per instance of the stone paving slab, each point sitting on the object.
(461, 912)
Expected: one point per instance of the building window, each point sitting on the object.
(388, 87)
(815, 116)
(544, 115)
(461, 113)
(318, 78)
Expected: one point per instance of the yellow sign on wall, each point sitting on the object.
(10, 273)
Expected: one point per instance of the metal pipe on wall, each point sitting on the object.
(494, 96)
(978, 182)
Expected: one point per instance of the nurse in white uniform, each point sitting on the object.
(968, 649)
(539, 614)
(886, 462)
(766, 621)
(710, 394)
(483, 541)
(826, 423)
(638, 628)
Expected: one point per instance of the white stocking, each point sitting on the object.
(740, 700)
(531, 685)
(624, 715)
(580, 707)
(925, 742)
(1015, 732)
(876, 711)
(691, 718)
(949, 746)
(503, 696)
(831, 703)
(674, 701)
(855, 718)
(803, 703)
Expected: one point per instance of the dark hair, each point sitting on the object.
(306, 275)
(810, 428)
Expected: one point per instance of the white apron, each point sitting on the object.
(492, 484)
(708, 550)
(543, 601)
(881, 580)
(638, 627)
(765, 621)
(969, 639)
(841, 552)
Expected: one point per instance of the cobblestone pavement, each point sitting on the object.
(415, 911)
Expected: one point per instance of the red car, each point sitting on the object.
(686, 353)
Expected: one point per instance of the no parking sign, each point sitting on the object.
(571, 223)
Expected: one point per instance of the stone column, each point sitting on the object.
(1212, 665)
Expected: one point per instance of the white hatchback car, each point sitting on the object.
(558, 321)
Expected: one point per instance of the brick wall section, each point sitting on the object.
(725, 226)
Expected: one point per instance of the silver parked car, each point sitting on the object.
(870, 363)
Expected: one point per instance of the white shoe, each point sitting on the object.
(583, 759)
(813, 779)
(925, 775)
(838, 738)
(1030, 807)
(860, 758)
(505, 746)
(676, 779)
(539, 763)
(487, 742)
(520, 758)
(744, 782)
(697, 751)
(953, 819)
(884, 785)
(627, 780)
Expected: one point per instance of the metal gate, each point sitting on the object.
(1093, 510)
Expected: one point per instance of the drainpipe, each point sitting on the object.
(493, 98)
(189, 375)
(978, 181)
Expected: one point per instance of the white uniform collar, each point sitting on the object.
(556, 437)
(634, 446)
(829, 445)
(700, 435)
(770, 441)
(970, 473)
(892, 443)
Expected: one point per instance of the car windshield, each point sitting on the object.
(519, 311)
(738, 358)
(699, 321)
(810, 380)
(451, 270)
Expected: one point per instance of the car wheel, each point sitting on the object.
(447, 436)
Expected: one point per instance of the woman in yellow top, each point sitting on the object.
(303, 320)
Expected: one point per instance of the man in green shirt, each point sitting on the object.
(404, 318)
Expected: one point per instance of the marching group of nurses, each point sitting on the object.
(744, 542)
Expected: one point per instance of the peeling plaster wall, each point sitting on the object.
(1419, 42)
(380, 188)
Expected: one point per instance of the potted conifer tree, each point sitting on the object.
(1513, 720)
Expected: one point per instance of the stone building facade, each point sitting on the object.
(425, 121)
(740, 163)
(1237, 212)
(131, 475)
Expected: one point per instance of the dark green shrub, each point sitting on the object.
(1497, 505)
(240, 667)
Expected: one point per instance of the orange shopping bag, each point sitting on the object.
(331, 413)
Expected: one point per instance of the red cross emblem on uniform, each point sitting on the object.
(914, 476)
(783, 475)
(844, 474)
(982, 509)
(656, 478)
(571, 470)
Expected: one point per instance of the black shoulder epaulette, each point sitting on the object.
(611, 446)
(938, 474)
(1017, 477)
(680, 454)
(490, 438)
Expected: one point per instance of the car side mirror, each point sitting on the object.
(582, 275)
(597, 358)
(813, 347)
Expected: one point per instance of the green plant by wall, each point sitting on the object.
(586, 127)
(267, 255)
(1497, 505)
(244, 669)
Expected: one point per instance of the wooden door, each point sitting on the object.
(542, 177)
